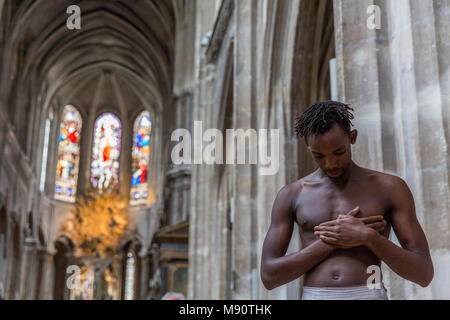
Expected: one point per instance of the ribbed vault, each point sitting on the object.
(120, 59)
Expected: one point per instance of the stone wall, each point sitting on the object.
(395, 78)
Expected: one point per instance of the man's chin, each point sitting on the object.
(334, 175)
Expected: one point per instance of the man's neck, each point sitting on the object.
(345, 177)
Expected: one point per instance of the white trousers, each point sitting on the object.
(344, 293)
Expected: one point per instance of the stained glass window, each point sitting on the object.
(68, 155)
(140, 158)
(129, 276)
(44, 155)
(106, 151)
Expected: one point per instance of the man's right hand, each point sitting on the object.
(347, 230)
(375, 222)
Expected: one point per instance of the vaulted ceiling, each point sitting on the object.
(120, 59)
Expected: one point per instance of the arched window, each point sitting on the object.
(68, 155)
(106, 151)
(140, 158)
(130, 269)
(45, 151)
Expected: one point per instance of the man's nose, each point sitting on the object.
(330, 163)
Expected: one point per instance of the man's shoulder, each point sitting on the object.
(385, 180)
(297, 185)
(292, 189)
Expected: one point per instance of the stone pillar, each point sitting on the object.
(242, 201)
(120, 274)
(47, 280)
(70, 260)
(441, 257)
(87, 139)
(276, 101)
(39, 272)
(200, 215)
(126, 143)
(357, 67)
(144, 273)
(155, 281)
(25, 272)
(3, 263)
(97, 282)
(177, 179)
(395, 79)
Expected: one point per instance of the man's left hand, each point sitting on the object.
(344, 232)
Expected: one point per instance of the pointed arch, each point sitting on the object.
(45, 145)
(62, 259)
(130, 278)
(140, 158)
(131, 270)
(106, 150)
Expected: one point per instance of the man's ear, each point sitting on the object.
(353, 136)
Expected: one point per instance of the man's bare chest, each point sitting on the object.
(316, 205)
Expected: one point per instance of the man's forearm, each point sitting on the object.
(285, 269)
(407, 264)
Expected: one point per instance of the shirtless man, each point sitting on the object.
(344, 213)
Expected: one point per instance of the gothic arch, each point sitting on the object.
(45, 66)
(134, 248)
(69, 134)
(62, 259)
(113, 151)
(140, 157)
(314, 47)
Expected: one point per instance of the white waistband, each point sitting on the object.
(344, 293)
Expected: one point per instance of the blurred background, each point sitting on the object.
(91, 205)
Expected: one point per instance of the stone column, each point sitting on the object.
(203, 103)
(357, 68)
(87, 138)
(119, 272)
(243, 203)
(25, 272)
(39, 272)
(395, 79)
(276, 108)
(155, 282)
(3, 262)
(70, 260)
(47, 280)
(125, 154)
(186, 199)
(177, 179)
(97, 282)
(144, 280)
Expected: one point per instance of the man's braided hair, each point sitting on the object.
(320, 117)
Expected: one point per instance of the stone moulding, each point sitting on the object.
(220, 28)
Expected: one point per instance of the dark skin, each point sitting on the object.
(344, 213)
